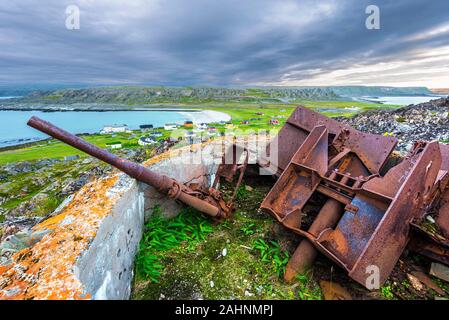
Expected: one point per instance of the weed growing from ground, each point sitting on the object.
(271, 253)
(161, 236)
(241, 193)
(248, 229)
(308, 289)
(387, 292)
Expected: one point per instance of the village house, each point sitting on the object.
(70, 158)
(202, 126)
(157, 134)
(188, 124)
(146, 127)
(145, 141)
(170, 126)
(212, 131)
(189, 134)
(274, 122)
(115, 129)
(114, 145)
(245, 122)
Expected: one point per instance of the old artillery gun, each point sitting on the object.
(210, 202)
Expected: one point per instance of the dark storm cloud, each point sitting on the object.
(212, 42)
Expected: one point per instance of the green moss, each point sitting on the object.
(47, 205)
(387, 292)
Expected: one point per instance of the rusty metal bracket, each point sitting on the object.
(228, 171)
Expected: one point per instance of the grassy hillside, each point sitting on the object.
(257, 115)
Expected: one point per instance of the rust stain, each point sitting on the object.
(340, 242)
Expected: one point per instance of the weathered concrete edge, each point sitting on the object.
(79, 258)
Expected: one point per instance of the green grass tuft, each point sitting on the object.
(271, 253)
(162, 235)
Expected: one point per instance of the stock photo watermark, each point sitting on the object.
(373, 280)
(372, 22)
(73, 17)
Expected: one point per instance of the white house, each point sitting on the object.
(145, 141)
(212, 131)
(170, 126)
(157, 134)
(70, 158)
(115, 128)
(116, 145)
(189, 134)
(202, 126)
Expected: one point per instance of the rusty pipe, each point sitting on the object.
(305, 254)
(162, 183)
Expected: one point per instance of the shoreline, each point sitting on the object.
(195, 115)
(6, 105)
(131, 109)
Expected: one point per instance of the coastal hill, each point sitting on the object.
(132, 95)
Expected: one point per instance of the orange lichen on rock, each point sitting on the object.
(45, 270)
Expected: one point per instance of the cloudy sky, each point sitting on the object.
(225, 42)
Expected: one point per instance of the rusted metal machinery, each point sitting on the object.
(209, 202)
(432, 239)
(365, 218)
(229, 168)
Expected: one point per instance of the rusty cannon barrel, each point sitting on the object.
(207, 204)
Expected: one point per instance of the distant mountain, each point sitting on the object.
(133, 95)
(19, 90)
(155, 95)
(360, 91)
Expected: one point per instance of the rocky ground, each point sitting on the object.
(32, 190)
(426, 121)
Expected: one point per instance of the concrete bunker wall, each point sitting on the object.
(87, 249)
(105, 269)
